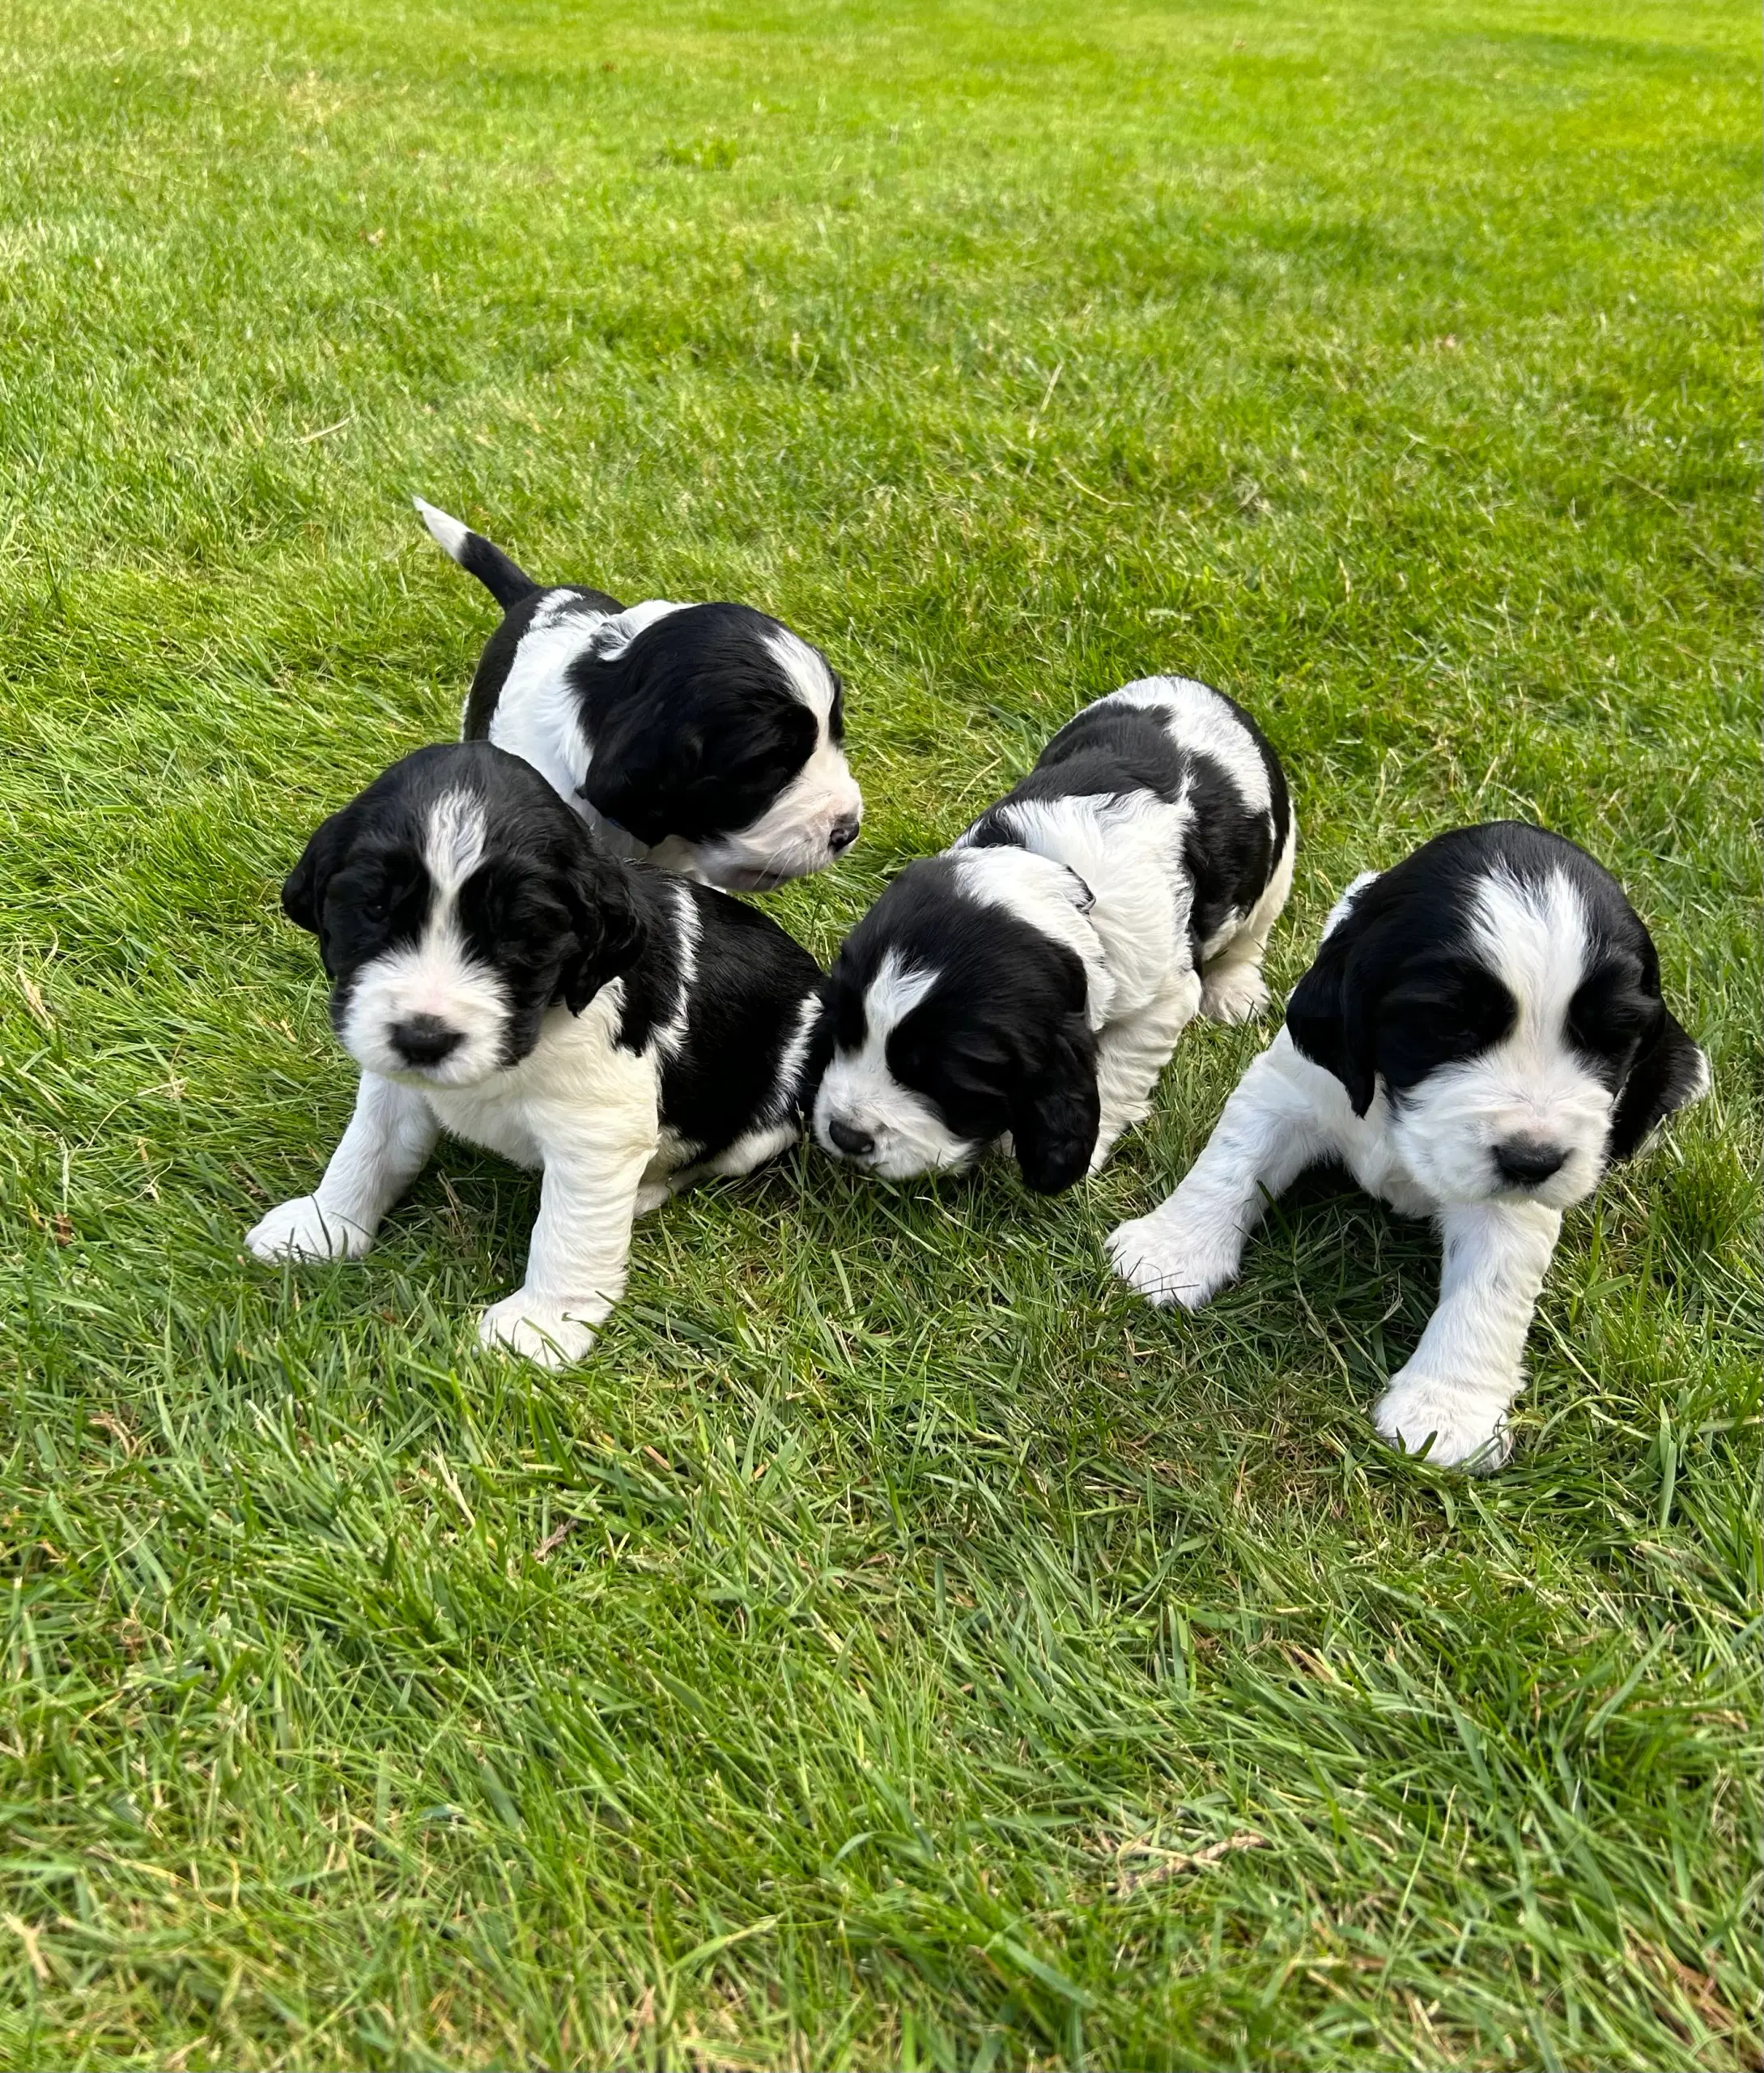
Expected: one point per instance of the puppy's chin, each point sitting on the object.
(737, 867)
(735, 878)
(811, 824)
(903, 1162)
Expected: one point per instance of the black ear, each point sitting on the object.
(1669, 1072)
(647, 765)
(1333, 1018)
(608, 930)
(302, 891)
(1057, 1111)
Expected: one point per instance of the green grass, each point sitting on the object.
(929, 1613)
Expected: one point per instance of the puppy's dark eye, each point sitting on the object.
(1609, 1012)
(377, 909)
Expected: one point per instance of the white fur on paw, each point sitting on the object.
(300, 1230)
(1167, 1262)
(1233, 995)
(546, 1332)
(1468, 1426)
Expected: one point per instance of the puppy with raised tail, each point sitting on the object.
(495, 974)
(1029, 985)
(1481, 1034)
(707, 739)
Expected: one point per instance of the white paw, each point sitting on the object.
(1234, 993)
(300, 1230)
(1467, 1425)
(551, 1334)
(1169, 1261)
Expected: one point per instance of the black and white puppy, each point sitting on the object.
(1482, 1032)
(495, 974)
(1031, 981)
(707, 739)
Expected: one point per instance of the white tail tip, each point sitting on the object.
(448, 532)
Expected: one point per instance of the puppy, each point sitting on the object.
(1029, 984)
(1481, 1034)
(706, 738)
(495, 974)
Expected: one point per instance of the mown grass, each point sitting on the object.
(896, 1645)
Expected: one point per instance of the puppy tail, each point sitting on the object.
(478, 556)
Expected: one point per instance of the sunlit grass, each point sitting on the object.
(896, 1645)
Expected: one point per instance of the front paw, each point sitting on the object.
(551, 1334)
(1467, 1425)
(1238, 993)
(300, 1230)
(1168, 1260)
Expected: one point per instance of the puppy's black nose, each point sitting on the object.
(843, 833)
(1525, 1161)
(425, 1039)
(853, 1143)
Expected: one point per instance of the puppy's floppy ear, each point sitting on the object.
(1056, 1110)
(644, 769)
(1333, 1017)
(302, 891)
(1669, 1072)
(607, 931)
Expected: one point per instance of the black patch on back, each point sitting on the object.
(747, 990)
(1115, 749)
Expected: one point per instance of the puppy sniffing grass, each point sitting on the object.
(1033, 979)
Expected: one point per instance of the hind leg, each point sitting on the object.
(735, 1160)
(1130, 1055)
(1232, 989)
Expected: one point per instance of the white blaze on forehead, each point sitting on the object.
(1196, 717)
(1533, 935)
(453, 842)
(908, 1134)
(809, 678)
(437, 975)
(890, 996)
(1532, 1084)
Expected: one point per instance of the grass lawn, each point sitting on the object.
(896, 1644)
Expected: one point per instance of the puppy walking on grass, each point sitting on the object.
(706, 738)
(1481, 1034)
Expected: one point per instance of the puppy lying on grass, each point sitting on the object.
(495, 974)
(1482, 1032)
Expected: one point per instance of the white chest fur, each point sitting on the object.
(575, 1087)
